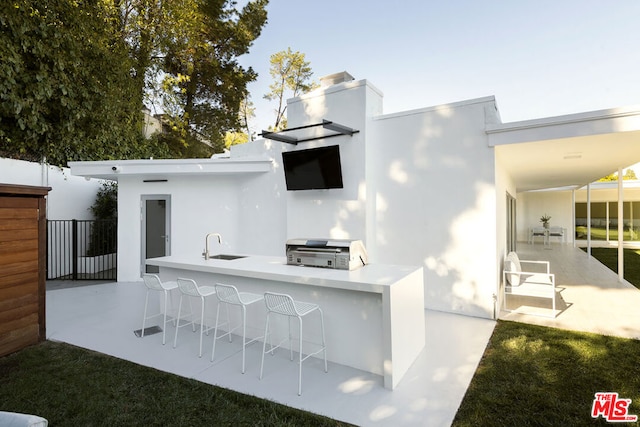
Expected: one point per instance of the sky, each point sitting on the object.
(539, 58)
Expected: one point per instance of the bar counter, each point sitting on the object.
(374, 315)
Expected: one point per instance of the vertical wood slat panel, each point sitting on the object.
(22, 266)
(42, 274)
(19, 338)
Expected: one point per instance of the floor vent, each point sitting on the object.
(148, 331)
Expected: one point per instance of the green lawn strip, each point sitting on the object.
(601, 234)
(609, 257)
(71, 386)
(537, 376)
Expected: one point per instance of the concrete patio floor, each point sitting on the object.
(103, 317)
(592, 299)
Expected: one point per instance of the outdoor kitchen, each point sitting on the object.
(374, 316)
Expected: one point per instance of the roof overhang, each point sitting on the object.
(567, 151)
(159, 170)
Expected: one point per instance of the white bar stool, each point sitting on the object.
(190, 288)
(228, 294)
(284, 305)
(154, 283)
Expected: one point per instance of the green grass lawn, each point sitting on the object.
(536, 376)
(598, 233)
(609, 257)
(71, 386)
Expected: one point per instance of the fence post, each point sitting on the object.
(74, 250)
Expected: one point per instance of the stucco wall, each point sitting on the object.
(504, 186)
(243, 209)
(70, 196)
(435, 202)
(262, 200)
(336, 213)
(531, 206)
(419, 190)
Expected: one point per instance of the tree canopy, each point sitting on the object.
(291, 74)
(203, 79)
(75, 75)
(65, 89)
(629, 174)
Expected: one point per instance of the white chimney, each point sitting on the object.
(334, 79)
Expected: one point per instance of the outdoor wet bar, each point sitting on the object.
(374, 315)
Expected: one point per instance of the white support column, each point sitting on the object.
(620, 227)
(589, 219)
(631, 229)
(573, 217)
(607, 218)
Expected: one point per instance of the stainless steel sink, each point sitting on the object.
(226, 257)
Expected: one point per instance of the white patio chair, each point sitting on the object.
(229, 295)
(154, 283)
(538, 232)
(189, 288)
(527, 283)
(284, 305)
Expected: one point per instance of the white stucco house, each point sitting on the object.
(447, 188)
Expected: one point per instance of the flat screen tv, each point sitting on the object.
(313, 169)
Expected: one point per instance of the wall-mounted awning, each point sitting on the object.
(326, 129)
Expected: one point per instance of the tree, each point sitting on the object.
(291, 75)
(247, 112)
(203, 77)
(629, 174)
(65, 84)
(104, 229)
(235, 138)
(244, 133)
(106, 204)
(74, 75)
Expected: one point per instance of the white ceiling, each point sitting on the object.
(569, 150)
(568, 162)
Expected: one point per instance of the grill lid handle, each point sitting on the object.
(316, 243)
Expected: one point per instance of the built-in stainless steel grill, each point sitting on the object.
(340, 254)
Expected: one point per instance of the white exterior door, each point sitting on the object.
(156, 226)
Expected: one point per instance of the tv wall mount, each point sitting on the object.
(309, 132)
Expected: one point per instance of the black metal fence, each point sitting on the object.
(82, 249)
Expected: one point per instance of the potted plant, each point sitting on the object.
(544, 219)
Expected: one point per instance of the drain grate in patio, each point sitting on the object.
(148, 331)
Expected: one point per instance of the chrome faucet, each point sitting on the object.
(206, 243)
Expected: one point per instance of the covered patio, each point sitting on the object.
(591, 297)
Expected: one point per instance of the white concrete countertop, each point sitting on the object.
(369, 278)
